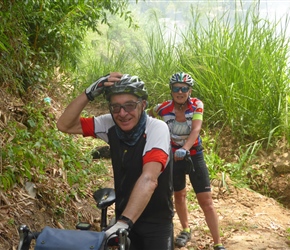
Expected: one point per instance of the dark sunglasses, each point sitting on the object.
(128, 107)
(177, 89)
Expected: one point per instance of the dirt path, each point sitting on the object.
(248, 220)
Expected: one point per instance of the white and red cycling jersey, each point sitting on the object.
(157, 147)
(153, 145)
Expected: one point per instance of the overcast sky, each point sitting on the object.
(270, 9)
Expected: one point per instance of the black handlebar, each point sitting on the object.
(190, 166)
(26, 236)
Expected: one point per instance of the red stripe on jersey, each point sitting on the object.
(88, 126)
(156, 155)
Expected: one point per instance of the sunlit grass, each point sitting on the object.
(240, 63)
(241, 69)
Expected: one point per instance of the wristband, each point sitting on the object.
(126, 220)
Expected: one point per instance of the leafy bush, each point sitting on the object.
(37, 37)
(40, 148)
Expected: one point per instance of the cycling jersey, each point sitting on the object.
(156, 147)
(178, 131)
(127, 166)
(152, 146)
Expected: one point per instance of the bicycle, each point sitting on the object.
(80, 239)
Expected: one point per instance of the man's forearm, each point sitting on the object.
(139, 198)
(69, 121)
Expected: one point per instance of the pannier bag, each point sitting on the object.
(62, 239)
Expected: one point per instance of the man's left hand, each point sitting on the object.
(111, 232)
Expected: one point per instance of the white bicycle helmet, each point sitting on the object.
(181, 77)
(127, 85)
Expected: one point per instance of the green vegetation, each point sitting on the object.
(57, 48)
(39, 37)
(240, 64)
(40, 148)
(288, 232)
(242, 74)
(40, 44)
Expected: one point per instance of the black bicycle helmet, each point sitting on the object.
(127, 85)
(181, 77)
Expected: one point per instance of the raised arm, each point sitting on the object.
(69, 121)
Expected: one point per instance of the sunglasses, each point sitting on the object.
(177, 89)
(128, 107)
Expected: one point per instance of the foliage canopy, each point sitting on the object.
(36, 37)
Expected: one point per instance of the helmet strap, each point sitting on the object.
(178, 105)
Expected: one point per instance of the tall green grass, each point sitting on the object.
(240, 62)
(241, 69)
(157, 60)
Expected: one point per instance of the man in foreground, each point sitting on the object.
(140, 151)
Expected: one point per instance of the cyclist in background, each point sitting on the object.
(140, 151)
(183, 115)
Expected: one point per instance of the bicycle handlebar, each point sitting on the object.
(124, 241)
(119, 239)
(104, 198)
(190, 166)
(26, 236)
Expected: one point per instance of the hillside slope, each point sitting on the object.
(248, 220)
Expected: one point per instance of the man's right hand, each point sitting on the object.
(97, 87)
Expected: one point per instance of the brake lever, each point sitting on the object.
(190, 166)
(23, 233)
(123, 238)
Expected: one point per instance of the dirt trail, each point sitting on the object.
(248, 220)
